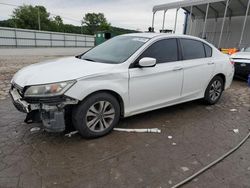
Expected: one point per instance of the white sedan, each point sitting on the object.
(242, 63)
(127, 75)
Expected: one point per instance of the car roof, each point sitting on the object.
(153, 35)
(170, 35)
(146, 35)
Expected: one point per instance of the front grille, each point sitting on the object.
(242, 69)
(243, 65)
(46, 100)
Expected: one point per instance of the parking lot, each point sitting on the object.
(193, 135)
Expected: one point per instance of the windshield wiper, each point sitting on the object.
(87, 59)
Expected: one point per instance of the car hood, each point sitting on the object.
(59, 70)
(241, 55)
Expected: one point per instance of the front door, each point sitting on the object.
(154, 87)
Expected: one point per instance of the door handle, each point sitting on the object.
(177, 68)
(210, 63)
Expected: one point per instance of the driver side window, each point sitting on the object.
(163, 51)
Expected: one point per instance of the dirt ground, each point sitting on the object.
(199, 135)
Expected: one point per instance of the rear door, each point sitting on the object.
(198, 66)
(154, 87)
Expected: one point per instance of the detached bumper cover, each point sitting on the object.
(21, 105)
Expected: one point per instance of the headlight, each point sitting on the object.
(48, 90)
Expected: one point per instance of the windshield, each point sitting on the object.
(247, 49)
(115, 50)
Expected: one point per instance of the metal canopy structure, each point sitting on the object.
(181, 4)
(216, 8)
(208, 9)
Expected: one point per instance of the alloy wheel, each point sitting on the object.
(100, 116)
(215, 90)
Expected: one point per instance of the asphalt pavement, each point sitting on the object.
(193, 135)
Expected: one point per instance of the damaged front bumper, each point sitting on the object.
(49, 111)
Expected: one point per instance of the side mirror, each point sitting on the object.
(147, 62)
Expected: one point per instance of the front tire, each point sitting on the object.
(214, 90)
(97, 115)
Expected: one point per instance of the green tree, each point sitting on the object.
(27, 17)
(7, 23)
(57, 24)
(95, 22)
(58, 20)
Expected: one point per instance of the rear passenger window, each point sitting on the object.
(192, 49)
(163, 51)
(208, 50)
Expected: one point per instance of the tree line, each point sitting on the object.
(38, 18)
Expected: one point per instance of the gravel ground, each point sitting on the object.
(199, 135)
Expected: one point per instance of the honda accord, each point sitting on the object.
(124, 76)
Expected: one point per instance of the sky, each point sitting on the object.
(130, 14)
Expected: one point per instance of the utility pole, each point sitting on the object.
(38, 17)
(81, 27)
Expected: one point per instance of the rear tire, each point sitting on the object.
(97, 115)
(214, 90)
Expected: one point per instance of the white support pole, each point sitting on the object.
(194, 27)
(205, 22)
(214, 31)
(153, 20)
(190, 21)
(175, 22)
(244, 24)
(228, 30)
(163, 23)
(223, 23)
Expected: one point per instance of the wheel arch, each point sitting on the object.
(223, 78)
(113, 93)
(207, 95)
